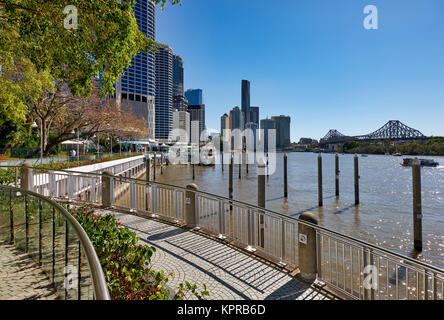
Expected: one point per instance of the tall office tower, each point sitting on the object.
(137, 86)
(282, 131)
(177, 76)
(253, 115)
(251, 129)
(180, 103)
(194, 96)
(266, 125)
(181, 126)
(237, 119)
(224, 124)
(197, 113)
(236, 122)
(245, 98)
(164, 92)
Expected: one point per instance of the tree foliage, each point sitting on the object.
(39, 56)
(106, 39)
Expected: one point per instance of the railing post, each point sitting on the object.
(221, 218)
(190, 207)
(261, 200)
(26, 177)
(70, 188)
(93, 190)
(132, 195)
(107, 189)
(52, 185)
(417, 205)
(307, 247)
(154, 166)
(282, 239)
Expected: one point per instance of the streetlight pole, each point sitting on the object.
(34, 125)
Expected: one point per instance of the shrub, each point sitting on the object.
(7, 176)
(125, 262)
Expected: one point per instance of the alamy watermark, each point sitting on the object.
(71, 281)
(238, 146)
(71, 19)
(371, 20)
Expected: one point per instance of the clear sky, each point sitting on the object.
(314, 61)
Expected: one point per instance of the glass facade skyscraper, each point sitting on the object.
(194, 96)
(164, 92)
(177, 76)
(245, 106)
(137, 86)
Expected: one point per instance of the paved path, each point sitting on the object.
(228, 273)
(21, 278)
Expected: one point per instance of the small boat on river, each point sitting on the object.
(407, 162)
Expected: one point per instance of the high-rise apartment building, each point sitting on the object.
(253, 115)
(224, 124)
(266, 125)
(197, 113)
(179, 101)
(136, 88)
(282, 131)
(164, 92)
(237, 119)
(177, 76)
(245, 97)
(181, 126)
(194, 96)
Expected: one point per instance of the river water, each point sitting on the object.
(384, 216)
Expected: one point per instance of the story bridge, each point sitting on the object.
(392, 130)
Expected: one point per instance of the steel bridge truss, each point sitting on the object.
(392, 130)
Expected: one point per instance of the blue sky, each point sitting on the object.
(314, 61)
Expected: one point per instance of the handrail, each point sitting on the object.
(100, 286)
(275, 213)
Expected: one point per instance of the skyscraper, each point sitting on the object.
(179, 101)
(237, 119)
(137, 86)
(181, 122)
(197, 113)
(253, 115)
(224, 124)
(164, 92)
(282, 131)
(266, 125)
(194, 96)
(245, 97)
(177, 76)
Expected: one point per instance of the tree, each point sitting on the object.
(61, 113)
(105, 40)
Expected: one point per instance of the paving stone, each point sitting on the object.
(21, 278)
(228, 273)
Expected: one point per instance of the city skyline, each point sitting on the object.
(316, 63)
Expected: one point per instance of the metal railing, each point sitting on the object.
(341, 260)
(53, 239)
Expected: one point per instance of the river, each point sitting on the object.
(384, 216)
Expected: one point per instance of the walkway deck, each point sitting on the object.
(21, 278)
(229, 273)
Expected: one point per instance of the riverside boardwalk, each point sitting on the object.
(21, 278)
(228, 272)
